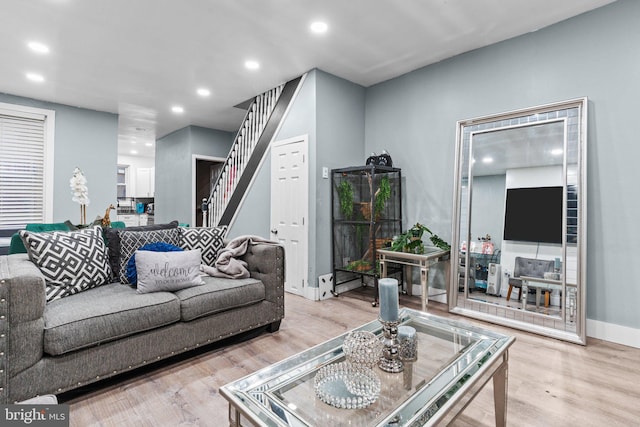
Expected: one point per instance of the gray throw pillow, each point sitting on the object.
(167, 271)
(131, 241)
(71, 262)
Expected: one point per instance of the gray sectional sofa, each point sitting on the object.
(49, 348)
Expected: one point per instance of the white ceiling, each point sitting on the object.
(139, 58)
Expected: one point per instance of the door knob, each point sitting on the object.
(274, 230)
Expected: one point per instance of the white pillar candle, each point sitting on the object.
(388, 291)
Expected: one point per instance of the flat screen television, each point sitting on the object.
(533, 215)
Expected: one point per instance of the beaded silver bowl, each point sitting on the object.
(362, 348)
(346, 386)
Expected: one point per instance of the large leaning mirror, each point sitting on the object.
(520, 220)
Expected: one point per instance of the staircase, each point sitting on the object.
(263, 118)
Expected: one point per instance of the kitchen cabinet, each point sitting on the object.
(145, 182)
(134, 220)
(130, 220)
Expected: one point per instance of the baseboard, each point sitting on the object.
(310, 293)
(615, 333)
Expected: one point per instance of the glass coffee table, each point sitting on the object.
(455, 361)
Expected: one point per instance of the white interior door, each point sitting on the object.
(289, 208)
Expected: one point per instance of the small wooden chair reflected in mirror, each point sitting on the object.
(528, 267)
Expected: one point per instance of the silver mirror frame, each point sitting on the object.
(581, 250)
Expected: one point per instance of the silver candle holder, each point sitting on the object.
(390, 360)
(408, 343)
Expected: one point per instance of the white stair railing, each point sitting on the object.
(246, 139)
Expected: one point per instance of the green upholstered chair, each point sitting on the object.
(17, 246)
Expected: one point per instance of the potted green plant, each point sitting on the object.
(411, 240)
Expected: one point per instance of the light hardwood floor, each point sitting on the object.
(551, 383)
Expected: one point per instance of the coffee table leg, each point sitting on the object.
(235, 421)
(500, 380)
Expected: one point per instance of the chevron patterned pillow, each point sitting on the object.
(208, 240)
(71, 262)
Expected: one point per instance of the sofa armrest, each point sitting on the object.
(266, 263)
(22, 303)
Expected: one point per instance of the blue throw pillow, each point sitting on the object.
(132, 274)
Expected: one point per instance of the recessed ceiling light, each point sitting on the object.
(149, 144)
(487, 159)
(319, 27)
(133, 152)
(556, 151)
(177, 109)
(34, 77)
(252, 65)
(38, 47)
(203, 91)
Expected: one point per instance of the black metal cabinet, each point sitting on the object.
(366, 215)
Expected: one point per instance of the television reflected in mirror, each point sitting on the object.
(533, 214)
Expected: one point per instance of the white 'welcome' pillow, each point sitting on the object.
(168, 271)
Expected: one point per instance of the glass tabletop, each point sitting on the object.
(449, 354)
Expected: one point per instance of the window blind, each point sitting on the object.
(22, 170)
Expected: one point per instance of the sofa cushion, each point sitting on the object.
(208, 240)
(167, 271)
(217, 295)
(131, 241)
(105, 314)
(113, 241)
(71, 262)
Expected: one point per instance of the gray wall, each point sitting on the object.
(87, 139)
(174, 153)
(340, 143)
(591, 55)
